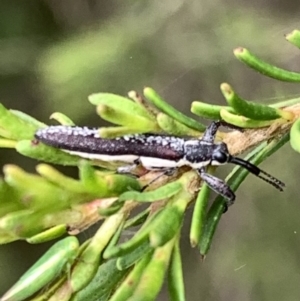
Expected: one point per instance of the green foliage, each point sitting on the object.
(42, 207)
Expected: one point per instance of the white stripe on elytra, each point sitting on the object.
(121, 158)
(152, 163)
(148, 162)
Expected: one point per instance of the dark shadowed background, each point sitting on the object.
(53, 54)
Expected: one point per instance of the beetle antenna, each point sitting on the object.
(258, 172)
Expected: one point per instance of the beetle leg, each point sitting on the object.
(210, 132)
(127, 169)
(219, 186)
(168, 172)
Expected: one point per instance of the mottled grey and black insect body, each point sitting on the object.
(85, 142)
(154, 152)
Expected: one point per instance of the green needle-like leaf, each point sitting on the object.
(207, 110)
(153, 275)
(88, 262)
(49, 234)
(46, 153)
(158, 194)
(59, 179)
(121, 117)
(117, 131)
(27, 118)
(173, 127)
(103, 283)
(137, 219)
(175, 275)
(129, 259)
(16, 125)
(199, 214)
(126, 289)
(7, 143)
(244, 122)
(62, 119)
(166, 225)
(49, 266)
(251, 110)
(120, 103)
(259, 65)
(162, 105)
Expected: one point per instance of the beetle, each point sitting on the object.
(155, 152)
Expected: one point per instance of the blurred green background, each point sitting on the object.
(53, 54)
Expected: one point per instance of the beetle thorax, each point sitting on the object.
(198, 153)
